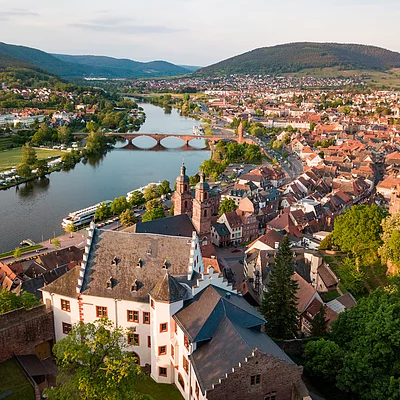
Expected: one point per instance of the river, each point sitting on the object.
(35, 210)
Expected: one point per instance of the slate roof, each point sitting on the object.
(225, 323)
(221, 229)
(168, 290)
(178, 225)
(128, 248)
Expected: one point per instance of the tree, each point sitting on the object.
(326, 243)
(227, 205)
(70, 228)
(324, 358)
(103, 211)
(56, 242)
(194, 179)
(24, 170)
(10, 301)
(352, 276)
(359, 228)
(119, 205)
(154, 210)
(164, 187)
(279, 304)
(93, 365)
(63, 134)
(17, 252)
(136, 199)
(29, 155)
(153, 204)
(151, 192)
(390, 249)
(156, 213)
(368, 336)
(42, 135)
(95, 143)
(127, 218)
(319, 323)
(212, 168)
(42, 167)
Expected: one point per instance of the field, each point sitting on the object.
(11, 158)
(13, 380)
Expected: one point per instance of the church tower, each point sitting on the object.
(183, 195)
(201, 217)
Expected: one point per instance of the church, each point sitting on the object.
(200, 207)
(193, 211)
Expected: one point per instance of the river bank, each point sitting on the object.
(36, 208)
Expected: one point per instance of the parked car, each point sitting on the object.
(235, 251)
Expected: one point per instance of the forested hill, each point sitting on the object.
(294, 57)
(124, 68)
(86, 66)
(21, 74)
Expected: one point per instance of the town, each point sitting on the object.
(301, 200)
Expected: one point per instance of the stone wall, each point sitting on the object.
(22, 330)
(277, 377)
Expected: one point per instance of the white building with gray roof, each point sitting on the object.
(181, 318)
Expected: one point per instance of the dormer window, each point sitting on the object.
(110, 283)
(149, 252)
(115, 261)
(165, 265)
(135, 286)
(139, 263)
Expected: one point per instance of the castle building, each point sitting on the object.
(181, 318)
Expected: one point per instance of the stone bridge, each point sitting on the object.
(159, 137)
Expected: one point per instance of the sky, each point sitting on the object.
(193, 32)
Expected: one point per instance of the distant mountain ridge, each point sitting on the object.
(110, 67)
(294, 57)
(67, 66)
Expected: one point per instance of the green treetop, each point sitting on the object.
(279, 304)
(227, 205)
(94, 365)
(10, 301)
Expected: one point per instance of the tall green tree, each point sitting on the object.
(227, 205)
(359, 228)
(63, 134)
(154, 210)
(29, 155)
(368, 338)
(103, 211)
(42, 167)
(119, 205)
(164, 187)
(94, 365)
(127, 218)
(390, 249)
(279, 304)
(319, 324)
(151, 192)
(137, 199)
